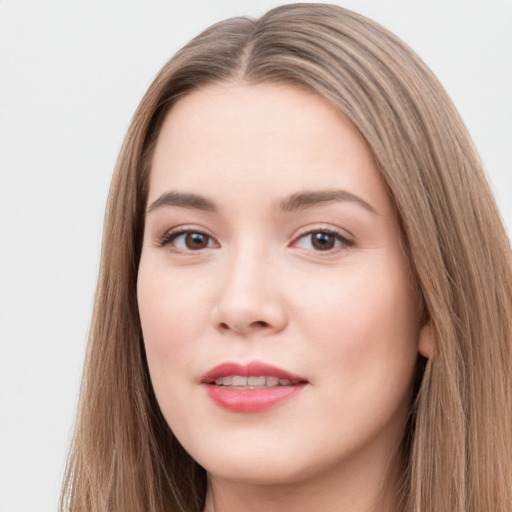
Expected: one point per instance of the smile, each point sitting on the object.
(250, 388)
(241, 382)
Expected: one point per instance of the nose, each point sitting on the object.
(250, 297)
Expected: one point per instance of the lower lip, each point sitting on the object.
(251, 400)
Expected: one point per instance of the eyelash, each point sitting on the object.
(338, 236)
(171, 236)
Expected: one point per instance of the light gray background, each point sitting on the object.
(71, 75)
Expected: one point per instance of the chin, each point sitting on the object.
(261, 462)
(257, 474)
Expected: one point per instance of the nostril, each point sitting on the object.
(260, 324)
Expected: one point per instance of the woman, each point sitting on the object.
(305, 290)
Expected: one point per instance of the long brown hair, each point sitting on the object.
(458, 447)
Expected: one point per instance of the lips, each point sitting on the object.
(253, 387)
(253, 369)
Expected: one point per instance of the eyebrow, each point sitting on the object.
(183, 200)
(298, 201)
(309, 199)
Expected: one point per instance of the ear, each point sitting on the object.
(427, 346)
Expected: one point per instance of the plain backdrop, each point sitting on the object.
(71, 75)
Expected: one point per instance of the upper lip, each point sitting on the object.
(254, 368)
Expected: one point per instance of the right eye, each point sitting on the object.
(188, 240)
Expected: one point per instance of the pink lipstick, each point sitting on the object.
(253, 387)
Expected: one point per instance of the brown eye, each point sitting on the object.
(194, 241)
(187, 241)
(322, 241)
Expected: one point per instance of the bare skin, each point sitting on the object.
(270, 237)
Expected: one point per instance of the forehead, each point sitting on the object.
(272, 139)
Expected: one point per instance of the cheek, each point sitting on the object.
(364, 323)
(173, 312)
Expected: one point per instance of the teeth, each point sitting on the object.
(224, 381)
(272, 381)
(238, 381)
(256, 381)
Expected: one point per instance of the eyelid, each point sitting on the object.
(341, 236)
(170, 235)
(347, 241)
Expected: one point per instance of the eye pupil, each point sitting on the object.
(196, 241)
(323, 241)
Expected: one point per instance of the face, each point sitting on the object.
(279, 322)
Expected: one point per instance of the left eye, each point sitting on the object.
(189, 241)
(322, 240)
